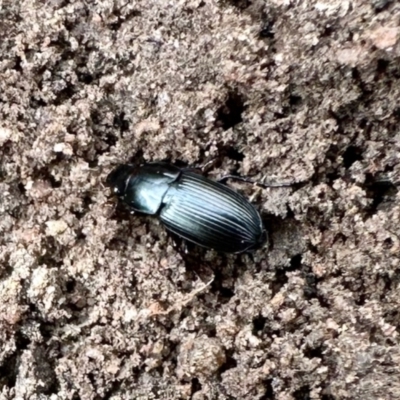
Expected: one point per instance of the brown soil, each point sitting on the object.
(98, 304)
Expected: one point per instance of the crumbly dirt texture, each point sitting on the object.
(96, 303)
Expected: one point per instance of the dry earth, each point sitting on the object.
(98, 304)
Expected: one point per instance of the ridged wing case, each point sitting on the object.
(211, 215)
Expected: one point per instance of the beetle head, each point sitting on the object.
(118, 178)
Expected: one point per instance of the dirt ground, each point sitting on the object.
(98, 304)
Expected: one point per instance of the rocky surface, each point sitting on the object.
(98, 304)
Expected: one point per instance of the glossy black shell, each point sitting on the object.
(192, 206)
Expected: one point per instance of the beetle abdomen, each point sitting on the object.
(211, 215)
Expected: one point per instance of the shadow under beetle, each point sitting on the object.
(197, 209)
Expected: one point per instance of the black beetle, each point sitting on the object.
(199, 210)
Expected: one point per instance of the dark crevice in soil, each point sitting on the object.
(47, 358)
(22, 341)
(230, 113)
(18, 64)
(314, 352)
(33, 311)
(389, 282)
(332, 169)
(381, 68)
(211, 330)
(92, 378)
(21, 188)
(36, 103)
(388, 243)
(117, 243)
(65, 94)
(340, 239)
(82, 210)
(282, 114)
(379, 191)
(327, 397)
(351, 155)
(70, 285)
(295, 262)
(86, 77)
(365, 98)
(103, 133)
(110, 140)
(228, 364)
(93, 163)
(280, 275)
(323, 301)
(240, 4)
(258, 324)
(345, 112)
(114, 26)
(120, 122)
(196, 386)
(137, 158)
(114, 389)
(360, 299)
(313, 248)
(267, 30)
(224, 293)
(47, 331)
(230, 152)
(9, 367)
(280, 280)
(302, 394)
(269, 391)
(51, 256)
(310, 290)
(393, 317)
(46, 175)
(380, 5)
(53, 387)
(327, 31)
(6, 269)
(295, 101)
(9, 371)
(274, 224)
(79, 235)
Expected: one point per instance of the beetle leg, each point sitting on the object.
(248, 180)
(254, 195)
(203, 168)
(208, 164)
(182, 245)
(250, 255)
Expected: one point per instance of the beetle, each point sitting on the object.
(196, 208)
